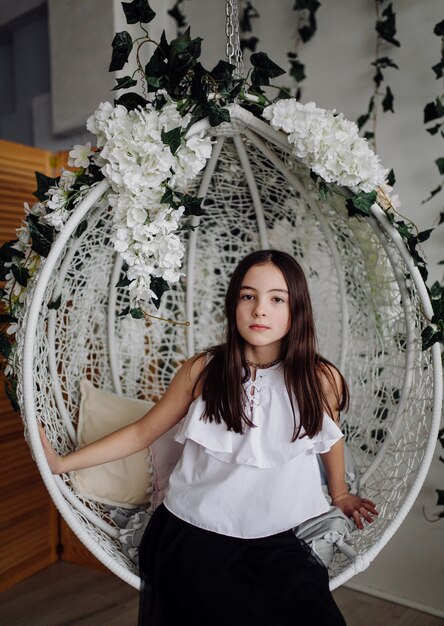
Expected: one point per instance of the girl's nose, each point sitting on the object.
(259, 310)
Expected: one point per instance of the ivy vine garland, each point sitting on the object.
(144, 151)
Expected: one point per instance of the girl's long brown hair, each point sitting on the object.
(304, 367)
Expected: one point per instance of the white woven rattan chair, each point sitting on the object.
(369, 319)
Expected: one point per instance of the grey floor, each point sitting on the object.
(70, 595)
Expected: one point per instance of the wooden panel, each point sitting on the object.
(30, 527)
(73, 550)
(28, 520)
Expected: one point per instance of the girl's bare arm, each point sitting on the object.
(353, 506)
(135, 437)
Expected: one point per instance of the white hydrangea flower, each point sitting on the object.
(57, 218)
(38, 208)
(139, 167)
(67, 180)
(328, 144)
(79, 155)
(56, 198)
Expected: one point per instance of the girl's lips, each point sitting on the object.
(259, 327)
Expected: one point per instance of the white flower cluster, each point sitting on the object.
(14, 292)
(328, 143)
(139, 167)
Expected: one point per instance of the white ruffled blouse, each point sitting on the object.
(251, 485)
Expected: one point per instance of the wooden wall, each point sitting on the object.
(28, 520)
(32, 535)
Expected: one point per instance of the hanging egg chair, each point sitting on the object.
(369, 301)
(369, 319)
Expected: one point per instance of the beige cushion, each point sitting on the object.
(126, 482)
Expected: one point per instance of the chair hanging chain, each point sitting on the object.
(233, 50)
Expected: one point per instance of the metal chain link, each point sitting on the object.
(233, 49)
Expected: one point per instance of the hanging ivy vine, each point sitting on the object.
(178, 15)
(305, 31)
(247, 13)
(382, 96)
(434, 112)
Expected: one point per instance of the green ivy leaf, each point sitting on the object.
(429, 337)
(307, 31)
(122, 45)
(138, 11)
(439, 29)
(378, 77)
(8, 252)
(21, 274)
(433, 193)
(123, 282)
(183, 55)
(248, 14)
(297, 70)
(323, 190)
(387, 102)
(5, 345)
(42, 236)
(391, 179)
(441, 221)
(167, 197)
(177, 15)
(434, 129)
(361, 203)
(7, 318)
(131, 101)
(433, 110)
(192, 204)
(172, 138)
(438, 309)
(156, 69)
(11, 392)
(124, 83)
(222, 72)
(386, 28)
(158, 285)
(249, 44)
(439, 69)
(440, 163)
(385, 62)
(136, 314)
(309, 5)
(424, 235)
(264, 69)
(362, 120)
(436, 289)
(43, 184)
(403, 229)
(440, 501)
(124, 312)
(216, 115)
(81, 229)
(55, 304)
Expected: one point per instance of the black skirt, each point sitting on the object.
(196, 577)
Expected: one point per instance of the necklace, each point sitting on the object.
(262, 366)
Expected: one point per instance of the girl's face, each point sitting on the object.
(263, 311)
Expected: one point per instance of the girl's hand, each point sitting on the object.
(356, 508)
(55, 461)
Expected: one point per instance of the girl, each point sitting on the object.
(220, 550)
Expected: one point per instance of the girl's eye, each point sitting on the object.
(278, 299)
(247, 296)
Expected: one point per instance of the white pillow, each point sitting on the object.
(126, 482)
